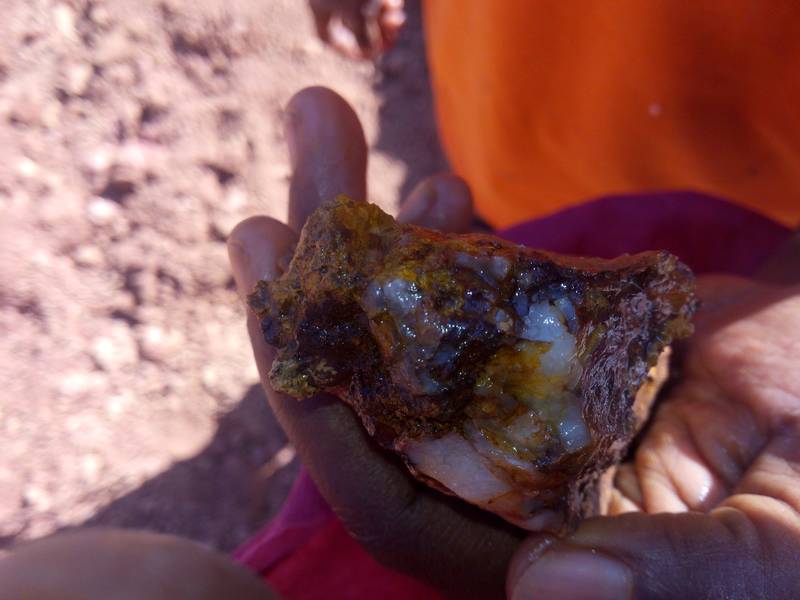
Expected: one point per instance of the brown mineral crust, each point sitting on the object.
(588, 493)
(410, 370)
(313, 314)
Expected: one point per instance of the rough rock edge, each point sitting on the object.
(619, 410)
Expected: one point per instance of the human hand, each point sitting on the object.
(358, 28)
(398, 520)
(721, 456)
(97, 564)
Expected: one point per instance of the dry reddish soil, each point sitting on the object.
(134, 135)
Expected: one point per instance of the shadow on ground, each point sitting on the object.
(231, 488)
(224, 493)
(406, 117)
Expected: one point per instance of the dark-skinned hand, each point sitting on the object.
(707, 508)
(358, 28)
(400, 521)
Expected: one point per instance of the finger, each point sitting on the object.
(359, 22)
(441, 202)
(727, 554)
(626, 496)
(391, 19)
(343, 40)
(674, 470)
(327, 150)
(322, 18)
(125, 565)
(695, 451)
(256, 249)
(776, 471)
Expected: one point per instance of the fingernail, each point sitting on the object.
(574, 575)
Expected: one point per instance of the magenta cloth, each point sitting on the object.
(708, 234)
(303, 514)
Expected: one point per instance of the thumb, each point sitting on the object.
(688, 555)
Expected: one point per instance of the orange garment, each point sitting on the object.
(544, 104)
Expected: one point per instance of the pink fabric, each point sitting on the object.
(304, 513)
(332, 565)
(708, 234)
(305, 552)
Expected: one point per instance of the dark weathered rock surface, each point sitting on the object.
(502, 374)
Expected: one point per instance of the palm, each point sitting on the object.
(729, 423)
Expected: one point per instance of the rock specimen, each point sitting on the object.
(501, 374)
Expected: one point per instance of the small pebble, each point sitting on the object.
(64, 18)
(88, 256)
(78, 77)
(101, 211)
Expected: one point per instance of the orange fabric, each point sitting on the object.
(544, 104)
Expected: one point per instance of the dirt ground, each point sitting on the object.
(133, 136)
